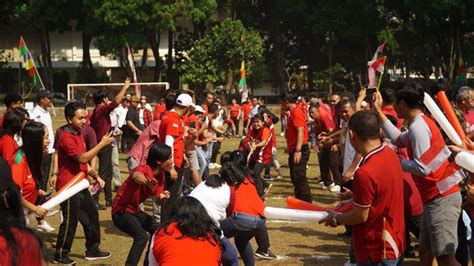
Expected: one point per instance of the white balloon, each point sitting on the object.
(294, 215)
(465, 160)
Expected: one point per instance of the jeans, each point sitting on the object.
(229, 254)
(243, 227)
(141, 227)
(283, 123)
(298, 175)
(202, 160)
(257, 169)
(379, 263)
(209, 150)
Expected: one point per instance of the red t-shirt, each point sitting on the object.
(23, 178)
(169, 249)
(100, 119)
(380, 189)
(172, 125)
(388, 110)
(262, 154)
(272, 132)
(131, 194)
(296, 119)
(70, 147)
(234, 110)
(160, 109)
(8, 146)
(246, 107)
(28, 248)
(247, 199)
(187, 121)
(324, 121)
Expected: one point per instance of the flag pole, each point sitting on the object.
(34, 65)
(132, 67)
(381, 74)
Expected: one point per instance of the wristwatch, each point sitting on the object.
(297, 150)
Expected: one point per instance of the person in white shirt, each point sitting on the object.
(44, 100)
(121, 113)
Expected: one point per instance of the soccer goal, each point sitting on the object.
(154, 91)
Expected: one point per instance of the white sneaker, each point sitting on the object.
(45, 227)
(282, 134)
(322, 185)
(218, 165)
(212, 166)
(334, 188)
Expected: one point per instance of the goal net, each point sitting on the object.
(154, 91)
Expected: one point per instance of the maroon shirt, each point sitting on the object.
(70, 146)
(100, 119)
(131, 194)
(88, 135)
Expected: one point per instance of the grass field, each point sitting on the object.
(294, 243)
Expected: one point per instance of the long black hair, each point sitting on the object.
(13, 122)
(192, 221)
(11, 213)
(33, 137)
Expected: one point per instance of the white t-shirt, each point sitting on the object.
(121, 113)
(349, 151)
(41, 115)
(214, 200)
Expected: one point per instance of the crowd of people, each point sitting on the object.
(381, 151)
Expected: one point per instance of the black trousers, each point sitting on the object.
(215, 151)
(141, 227)
(46, 167)
(106, 172)
(245, 123)
(175, 188)
(330, 161)
(79, 208)
(298, 175)
(257, 169)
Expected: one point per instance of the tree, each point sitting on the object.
(216, 58)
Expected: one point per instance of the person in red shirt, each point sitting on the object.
(235, 114)
(377, 217)
(100, 122)
(12, 100)
(19, 245)
(171, 133)
(159, 110)
(297, 148)
(14, 122)
(246, 108)
(190, 237)
(72, 160)
(27, 169)
(388, 96)
(144, 181)
(329, 159)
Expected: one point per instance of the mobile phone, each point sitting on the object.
(192, 124)
(112, 129)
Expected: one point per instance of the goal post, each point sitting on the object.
(154, 91)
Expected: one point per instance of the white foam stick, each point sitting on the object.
(465, 160)
(441, 119)
(65, 194)
(294, 215)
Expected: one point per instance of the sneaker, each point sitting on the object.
(279, 177)
(323, 186)
(97, 255)
(212, 166)
(65, 260)
(266, 190)
(282, 134)
(334, 188)
(237, 136)
(52, 212)
(45, 227)
(269, 177)
(265, 255)
(217, 165)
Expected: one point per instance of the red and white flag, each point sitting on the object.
(378, 64)
(372, 78)
(389, 238)
(379, 50)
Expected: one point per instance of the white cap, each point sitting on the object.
(184, 100)
(198, 108)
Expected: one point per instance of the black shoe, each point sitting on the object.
(265, 255)
(116, 188)
(65, 260)
(97, 255)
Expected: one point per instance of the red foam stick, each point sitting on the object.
(453, 120)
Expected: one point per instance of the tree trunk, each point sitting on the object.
(144, 59)
(87, 67)
(230, 81)
(169, 60)
(154, 42)
(277, 44)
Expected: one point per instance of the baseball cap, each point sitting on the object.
(184, 100)
(199, 109)
(44, 93)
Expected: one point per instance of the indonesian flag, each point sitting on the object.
(388, 237)
(378, 64)
(379, 50)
